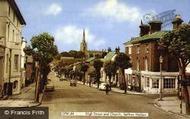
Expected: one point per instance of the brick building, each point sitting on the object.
(145, 57)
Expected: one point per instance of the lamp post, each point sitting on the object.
(161, 51)
(161, 79)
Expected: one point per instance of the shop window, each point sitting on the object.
(155, 83)
(169, 83)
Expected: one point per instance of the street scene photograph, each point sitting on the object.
(94, 59)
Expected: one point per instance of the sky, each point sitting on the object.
(107, 23)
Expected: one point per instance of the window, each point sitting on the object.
(147, 82)
(129, 48)
(146, 64)
(9, 11)
(155, 83)
(16, 59)
(138, 65)
(15, 84)
(13, 36)
(147, 49)
(7, 64)
(138, 49)
(169, 83)
(14, 17)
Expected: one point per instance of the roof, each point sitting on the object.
(95, 51)
(109, 56)
(148, 37)
(17, 11)
(90, 59)
(155, 21)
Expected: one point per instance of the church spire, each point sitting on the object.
(84, 35)
(83, 45)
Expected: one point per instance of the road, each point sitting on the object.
(85, 99)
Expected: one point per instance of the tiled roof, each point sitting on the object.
(153, 36)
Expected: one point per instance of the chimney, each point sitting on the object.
(144, 29)
(155, 26)
(177, 22)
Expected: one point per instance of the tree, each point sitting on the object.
(97, 65)
(79, 54)
(177, 43)
(65, 54)
(110, 70)
(122, 61)
(109, 49)
(43, 50)
(84, 68)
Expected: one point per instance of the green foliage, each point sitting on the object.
(122, 61)
(177, 43)
(73, 53)
(42, 50)
(109, 49)
(97, 64)
(44, 46)
(65, 54)
(110, 68)
(28, 50)
(62, 65)
(104, 54)
(84, 67)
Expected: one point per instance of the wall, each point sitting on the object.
(10, 29)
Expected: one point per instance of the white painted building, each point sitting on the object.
(11, 23)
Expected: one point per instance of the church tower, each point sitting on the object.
(83, 44)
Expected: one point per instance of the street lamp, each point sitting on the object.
(161, 51)
(161, 79)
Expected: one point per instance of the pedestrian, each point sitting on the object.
(107, 89)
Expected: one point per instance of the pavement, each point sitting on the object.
(169, 104)
(24, 99)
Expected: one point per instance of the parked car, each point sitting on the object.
(49, 86)
(62, 79)
(73, 82)
(103, 86)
